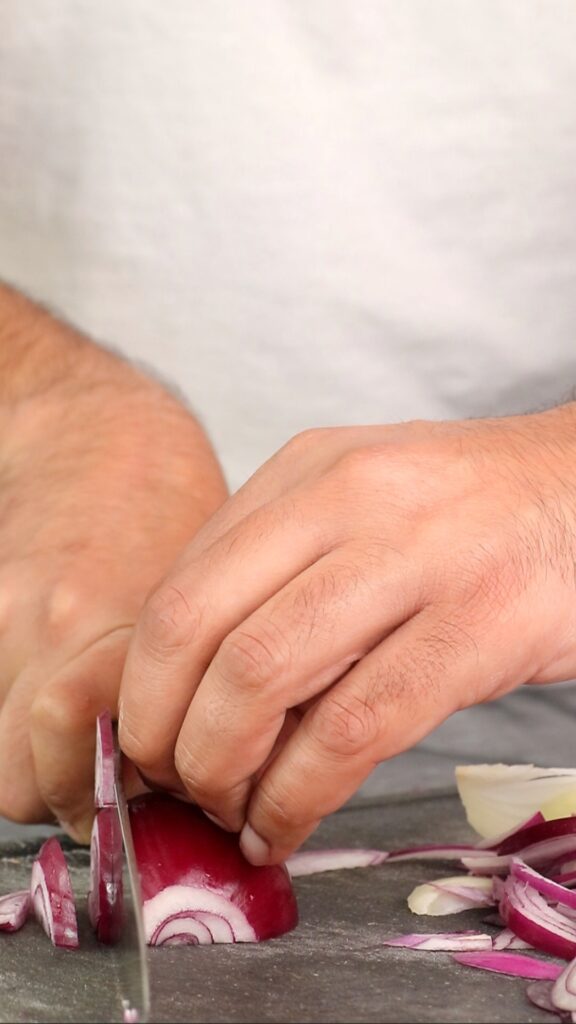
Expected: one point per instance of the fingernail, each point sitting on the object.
(217, 821)
(254, 848)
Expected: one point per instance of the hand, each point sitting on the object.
(103, 477)
(365, 584)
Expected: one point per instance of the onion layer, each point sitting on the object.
(52, 896)
(105, 898)
(14, 910)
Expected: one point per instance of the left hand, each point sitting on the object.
(365, 584)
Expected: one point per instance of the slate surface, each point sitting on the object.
(333, 968)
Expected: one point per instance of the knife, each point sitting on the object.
(131, 951)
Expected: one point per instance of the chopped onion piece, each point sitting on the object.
(454, 851)
(514, 964)
(493, 842)
(540, 854)
(14, 910)
(528, 915)
(442, 941)
(498, 797)
(451, 895)
(105, 898)
(52, 896)
(312, 862)
(104, 772)
(197, 886)
(564, 990)
(552, 891)
(508, 940)
(540, 994)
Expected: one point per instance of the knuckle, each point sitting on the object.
(346, 725)
(169, 621)
(252, 659)
(52, 712)
(66, 607)
(195, 775)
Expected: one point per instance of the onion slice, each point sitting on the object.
(528, 915)
(453, 851)
(14, 910)
(441, 941)
(105, 765)
(551, 890)
(508, 940)
(497, 797)
(52, 896)
(105, 897)
(514, 964)
(312, 862)
(197, 887)
(451, 895)
(564, 991)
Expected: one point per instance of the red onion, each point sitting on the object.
(52, 896)
(14, 910)
(105, 898)
(312, 862)
(551, 890)
(541, 854)
(441, 941)
(197, 886)
(543, 830)
(104, 774)
(528, 915)
(515, 964)
(493, 842)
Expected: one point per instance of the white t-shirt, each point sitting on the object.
(302, 212)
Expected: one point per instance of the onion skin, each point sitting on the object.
(189, 866)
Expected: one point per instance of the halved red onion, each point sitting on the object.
(441, 941)
(515, 964)
(552, 891)
(197, 886)
(52, 896)
(104, 769)
(14, 910)
(105, 897)
(312, 862)
(528, 915)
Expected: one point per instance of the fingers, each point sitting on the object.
(62, 730)
(419, 675)
(291, 649)
(190, 614)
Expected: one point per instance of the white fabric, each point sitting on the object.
(307, 212)
(303, 211)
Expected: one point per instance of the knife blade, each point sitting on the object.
(131, 950)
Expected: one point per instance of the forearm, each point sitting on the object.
(56, 382)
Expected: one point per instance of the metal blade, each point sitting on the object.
(131, 950)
